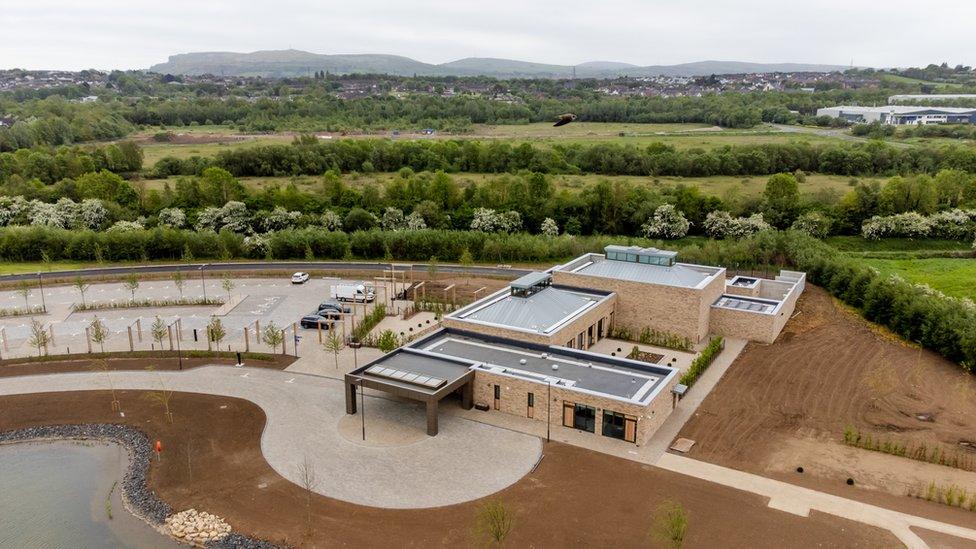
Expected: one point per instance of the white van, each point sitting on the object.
(356, 291)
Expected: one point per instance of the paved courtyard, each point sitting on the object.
(395, 467)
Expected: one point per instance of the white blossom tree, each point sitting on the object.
(280, 219)
(393, 219)
(126, 226)
(331, 220)
(415, 222)
(172, 217)
(92, 214)
(667, 222)
(549, 227)
(13, 210)
(813, 223)
(484, 220)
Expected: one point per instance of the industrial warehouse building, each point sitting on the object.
(524, 350)
(901, 114)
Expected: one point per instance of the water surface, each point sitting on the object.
(55, 495)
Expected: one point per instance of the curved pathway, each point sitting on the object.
(465, 461)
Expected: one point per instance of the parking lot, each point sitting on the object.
(249, 307)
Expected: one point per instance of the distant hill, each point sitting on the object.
(278, 63)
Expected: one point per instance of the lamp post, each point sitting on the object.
(40, 283)
(548, 406)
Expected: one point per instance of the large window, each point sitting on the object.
(617, 425)
(584, 418)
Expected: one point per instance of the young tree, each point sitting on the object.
(159, 331)
(39, 338)
(216, 331)
(466, 259)
(179, 281)
(101, 365)
(162, 396)
(273, 336)
(98, 332)
(227, 284)
(670, 524)
(309, 481)
(494, 522)
(432, 268)
(334, 344)
(82, 287)
(46, 260)
(24, 289)
(131, 283)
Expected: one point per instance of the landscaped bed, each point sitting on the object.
(228, 476)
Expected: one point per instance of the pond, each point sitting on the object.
(64, 494)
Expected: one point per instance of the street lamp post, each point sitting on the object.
(548, 406)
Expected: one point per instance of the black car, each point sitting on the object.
(333, 306)
(313, 320)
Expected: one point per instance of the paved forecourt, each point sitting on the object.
(306, 418)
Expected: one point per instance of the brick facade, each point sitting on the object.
(672, 309)
(514, 400)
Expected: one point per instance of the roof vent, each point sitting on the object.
(545, 355)
(555, 366)
(522, 361)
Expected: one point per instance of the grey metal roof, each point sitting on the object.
(541, 312)
(417, 363)
(675, 275)
(604, 376)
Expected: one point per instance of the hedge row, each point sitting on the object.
(702, 361)
(915, 312)
(31, 243)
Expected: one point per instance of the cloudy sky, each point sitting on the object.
(108, 34)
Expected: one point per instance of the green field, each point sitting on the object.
(952, 276)
(209, 140)
(719, 185)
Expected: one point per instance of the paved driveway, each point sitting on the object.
(465, 461)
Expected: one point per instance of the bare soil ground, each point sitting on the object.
(131, 361)
(212, 461)
(791, 401)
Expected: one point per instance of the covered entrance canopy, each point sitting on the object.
(417, 375)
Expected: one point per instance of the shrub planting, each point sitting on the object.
(703, 361)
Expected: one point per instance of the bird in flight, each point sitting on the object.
(564, 119)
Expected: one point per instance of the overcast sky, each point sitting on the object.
(109, 34)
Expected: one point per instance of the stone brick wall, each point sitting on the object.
(514, 399)
(672, 309)
(744, 324)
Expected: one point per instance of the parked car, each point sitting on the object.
(333, 305)
(313, 320)
(299, 278)
(352, 292)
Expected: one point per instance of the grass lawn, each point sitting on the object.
(857, 244)
(948, 275)
(8, 267)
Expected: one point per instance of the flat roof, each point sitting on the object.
(542, 312)
(680, 274)
(616, 378)
(414, 370)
